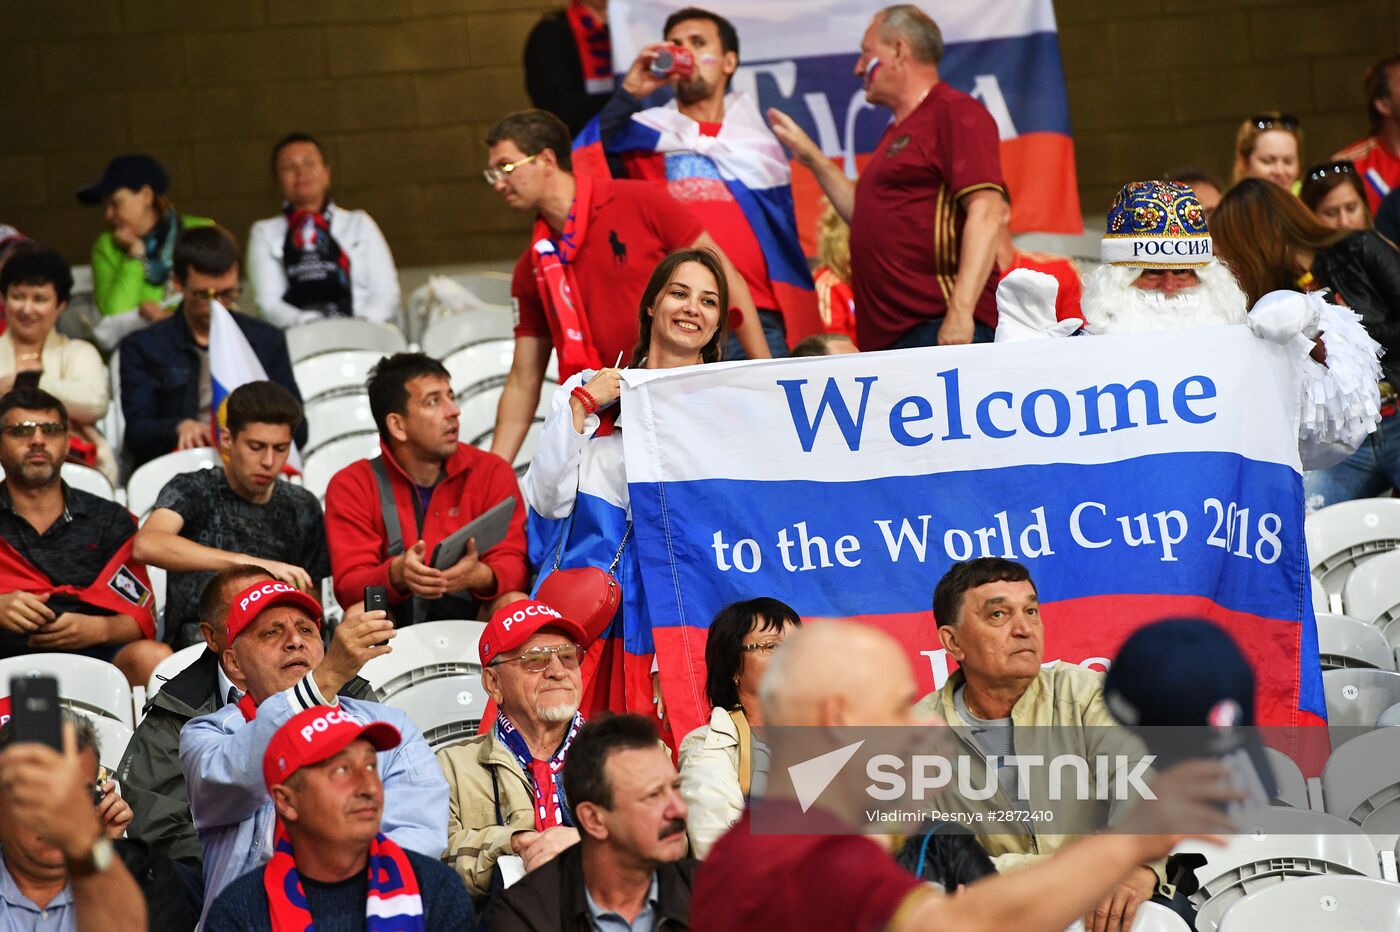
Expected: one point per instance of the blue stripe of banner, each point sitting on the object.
(1264, 571)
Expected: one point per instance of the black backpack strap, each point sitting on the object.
(392, 530)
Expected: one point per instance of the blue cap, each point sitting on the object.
(126, 171)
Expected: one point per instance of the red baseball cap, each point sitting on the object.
(319, 734)
(512, 626)
(262, 595)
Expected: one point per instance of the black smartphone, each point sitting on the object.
(34, 710)
(377, 600)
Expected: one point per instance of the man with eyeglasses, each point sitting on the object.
(68, 581)
(167, 392)
(506, 785)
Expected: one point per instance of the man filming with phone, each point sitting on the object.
(387, 516)
(275, 651)
(58, 870)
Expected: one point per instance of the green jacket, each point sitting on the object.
(119, 281)
(151, 779)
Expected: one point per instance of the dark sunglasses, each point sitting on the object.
(1283, 121)
(1319, 172)
(26, 429)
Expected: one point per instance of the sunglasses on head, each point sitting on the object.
(1331, 168)
(1283, 121)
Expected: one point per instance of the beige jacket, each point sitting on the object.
(1070, 699)
(480, 774)
(74, 373)
(709, 758)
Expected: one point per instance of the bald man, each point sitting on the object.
(838, 674)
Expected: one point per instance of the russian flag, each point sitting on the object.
(1138, 477)
(232, 363)
(663, 145)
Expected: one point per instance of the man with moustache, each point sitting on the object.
(275, 654)
(506, 786)
(68, 580)
(1160, 273)
(714, 153)
(629, 869)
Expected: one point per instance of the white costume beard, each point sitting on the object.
(1112, 305)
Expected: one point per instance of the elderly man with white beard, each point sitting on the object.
(506, 786)
(1160, 273)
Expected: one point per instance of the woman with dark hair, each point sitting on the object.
(721, 762)
(132, 262)
(576, 487)
(1334, 193)
(1273, 243)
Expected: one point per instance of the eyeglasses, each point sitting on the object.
(1319, 172)
(26, 428)
(536, 659)
(1283, 121)
(228, 297)
(764, 647)
(495, 174)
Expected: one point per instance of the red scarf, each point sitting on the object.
(558, 287)
(594, 45)
(394, 903)
(121, 587)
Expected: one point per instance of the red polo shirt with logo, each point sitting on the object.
(632, 226)
(906, 231)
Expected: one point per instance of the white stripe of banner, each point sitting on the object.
(1098, 399)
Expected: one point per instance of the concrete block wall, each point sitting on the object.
(403, 91)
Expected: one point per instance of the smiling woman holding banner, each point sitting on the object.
(577, 476)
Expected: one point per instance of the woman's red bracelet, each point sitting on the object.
(585, 399)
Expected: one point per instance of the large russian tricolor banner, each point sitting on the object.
(1138, 476)
(799, 56)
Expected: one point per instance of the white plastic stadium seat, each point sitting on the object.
(1318, 904)
(86, 478)
(1151, 917)
(143, 488)
(1372, 591)
(1361, 781)
(1292, 787)
(1274, 845)
(479, 401)
(173, 666)
(1319, 595)
(112, 739)
(423, 652)
(480, 361)
(343, 372)
(342, 333)
(443, 336)
(1344, 641)
(1343, 536)
(1356, 698)
(527, 446)
(337, 416)
(85, 684)
(447, 709)
(330, 458)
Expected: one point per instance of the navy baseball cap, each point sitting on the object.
(1179, 672)
(126, 171)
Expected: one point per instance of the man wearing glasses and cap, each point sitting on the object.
(167, 391)
(275, 656)
(506, 785)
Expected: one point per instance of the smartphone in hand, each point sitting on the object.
(377, 600)
(35, 712)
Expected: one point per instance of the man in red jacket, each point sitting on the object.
(385, 516)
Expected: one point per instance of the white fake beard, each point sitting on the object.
(1112, 305)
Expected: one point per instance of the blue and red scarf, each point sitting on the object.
(317, 269)
(393, 905)
(551, 261)
(594, 44)
(546, 776)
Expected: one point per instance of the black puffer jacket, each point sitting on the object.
(1364, 270)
